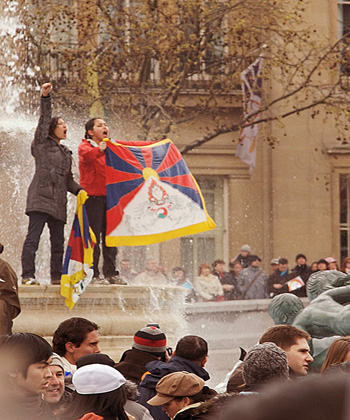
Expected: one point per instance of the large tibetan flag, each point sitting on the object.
(251, 89)
(78, 263)
(151, 194)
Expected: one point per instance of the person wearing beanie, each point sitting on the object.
(99, 391)
(149, 344)
(177, 391)
(243, 256)
(190, 355)
(252, 281)
(10, 307)
(56, 395)
(264, 363)
(304, 271)
(131, 406)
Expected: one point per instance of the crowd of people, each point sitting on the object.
(244, 280)
(72, 380)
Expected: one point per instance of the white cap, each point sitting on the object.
(97, 379)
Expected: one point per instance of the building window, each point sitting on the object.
(207, 246)
(344, 28)
(344, 216)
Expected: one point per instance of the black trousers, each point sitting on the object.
(96, 208)
(37, 221)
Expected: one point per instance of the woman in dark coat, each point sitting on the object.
(47, 193)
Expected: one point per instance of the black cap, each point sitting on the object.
(254, 258)
(95, 358)
(300, 256)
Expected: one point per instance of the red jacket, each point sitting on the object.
(92, 168)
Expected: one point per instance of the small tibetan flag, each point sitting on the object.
(78, 264)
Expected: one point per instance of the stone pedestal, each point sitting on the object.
(120, 311)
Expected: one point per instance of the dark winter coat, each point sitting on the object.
(277, 278)
(156, 371)
(53, 177)
(133, 363)
(209, 410)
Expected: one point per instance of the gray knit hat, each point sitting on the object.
(264, 363)
(245, 248)
(57, 361)
(151, 340)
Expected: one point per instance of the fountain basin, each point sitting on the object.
(119, 311)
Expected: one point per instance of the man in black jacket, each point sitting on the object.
(190, 355)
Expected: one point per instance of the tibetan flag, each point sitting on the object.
(151, 194)
(78, 263)
(251, 88)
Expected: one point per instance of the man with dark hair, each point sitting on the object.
(190, 355)
(74, 338)
(294, 342)
(278, 280)
(24, 376)
(193, 348)
(303, 270)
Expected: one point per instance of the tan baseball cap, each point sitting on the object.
(177, 384)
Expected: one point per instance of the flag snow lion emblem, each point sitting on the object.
(151, 194)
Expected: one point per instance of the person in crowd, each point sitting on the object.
(219, 268)
(278, 280)
(207, 286)
(131, 406)
(230, 280)
(243, 256)
(264, 363)
(313, 267)
(309, 399)
(345, 267)
(152, 276)
(322, 265)
(274, 264)
(126, 273)
(179, 278)
(252, 281)
(24, 376)
(301, 268)
(294, 342)
(56, 395)
(149, 344)
(332, 263)
(92, 168)
(10, 306)
(178, 391)
(74, 338)
(190, 355)
(338, 352)
(99, 391)
(47, 193)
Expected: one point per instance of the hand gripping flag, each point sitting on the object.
(251, 88)
(78, 263)
(151, 194)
